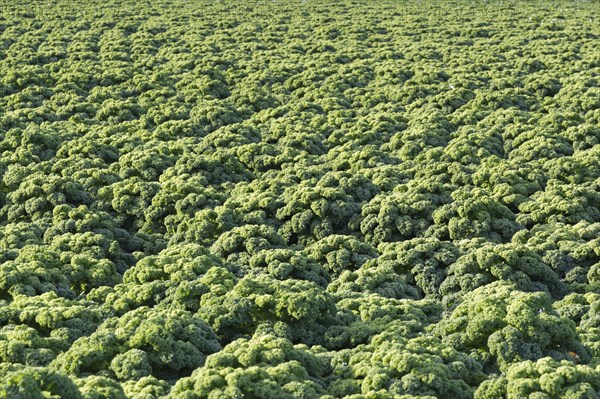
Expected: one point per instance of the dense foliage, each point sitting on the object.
(299, 199)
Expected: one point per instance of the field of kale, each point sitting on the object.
(299, 199)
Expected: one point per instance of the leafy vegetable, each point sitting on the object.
(299, 199)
